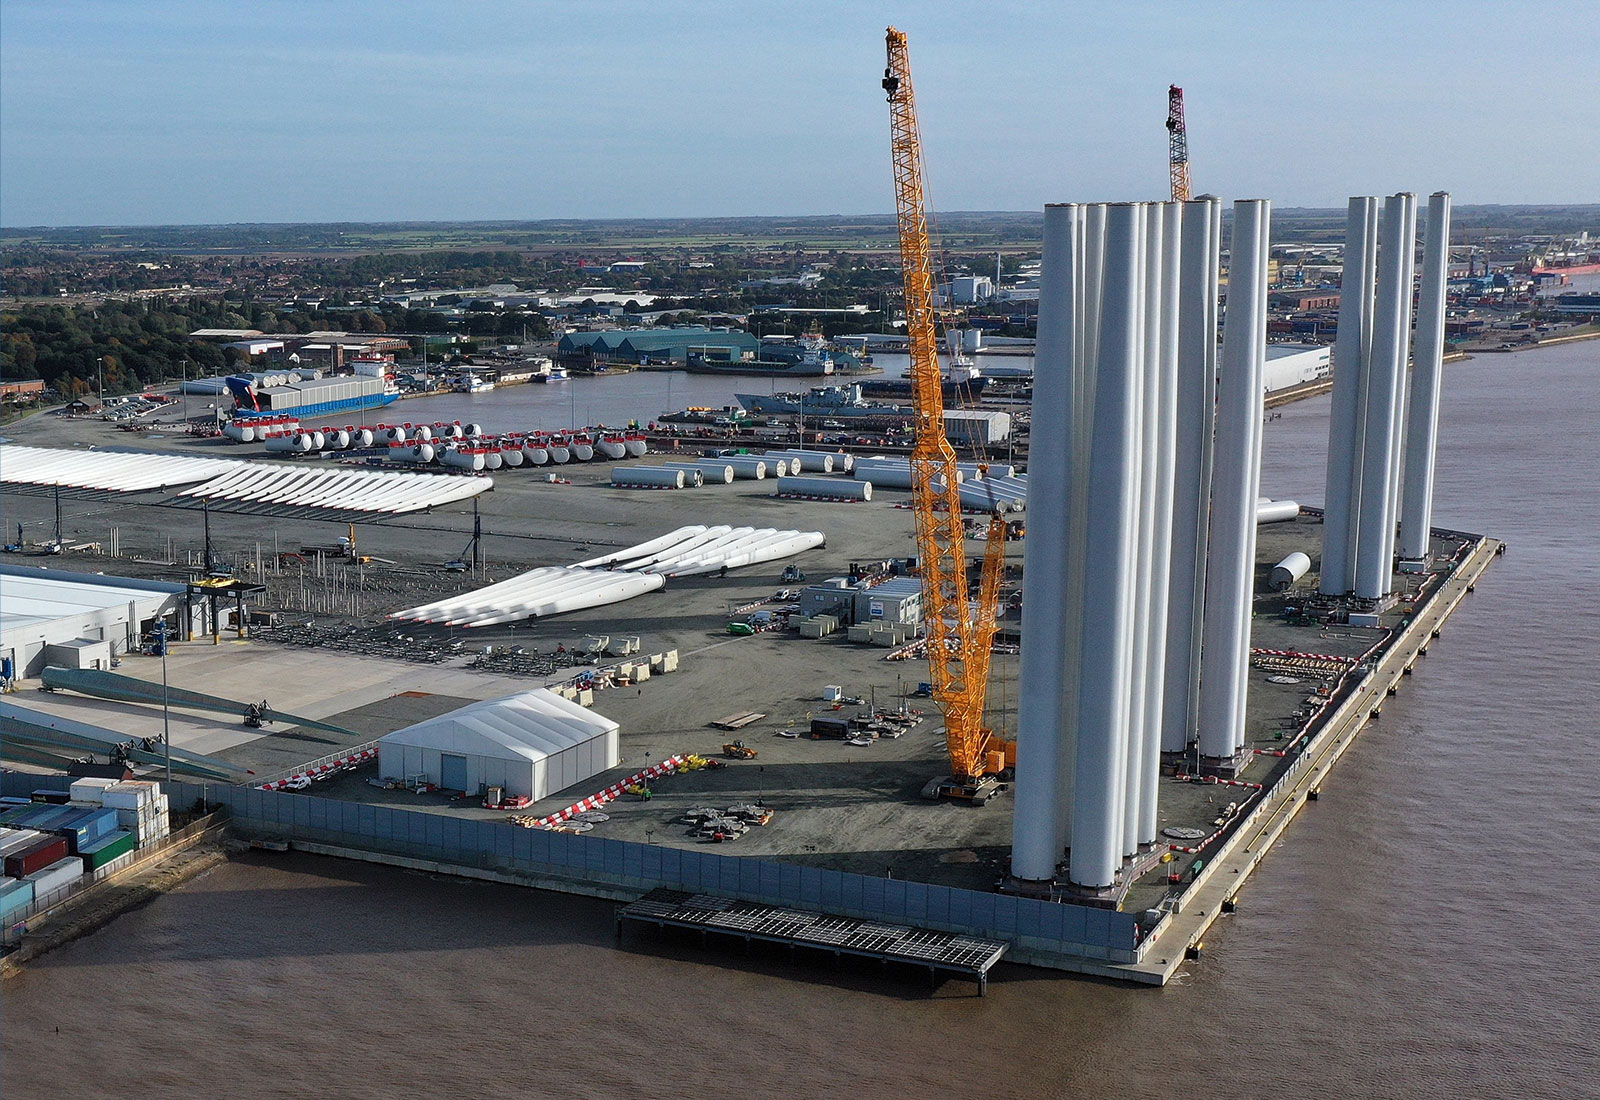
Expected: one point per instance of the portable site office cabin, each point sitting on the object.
(534, 743)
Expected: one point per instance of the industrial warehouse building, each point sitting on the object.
(652, 345)
(1290, 365)
(534, 743)
(78, 620)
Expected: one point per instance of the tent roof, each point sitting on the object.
(530, 725)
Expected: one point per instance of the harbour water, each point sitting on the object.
(613, 399)
(1424, 930)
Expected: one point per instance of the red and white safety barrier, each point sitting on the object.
(616, 790)
(1297, 653)
(321, 771)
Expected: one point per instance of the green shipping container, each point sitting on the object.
(108, 848)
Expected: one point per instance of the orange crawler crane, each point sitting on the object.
(1177, 144)
(959, 633)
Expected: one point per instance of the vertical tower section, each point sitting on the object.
(1374, 571)
(1422, 423)
(1105, 652)
(1346, 418)
(1047, 683)
(1195, 399)
(1230, 572)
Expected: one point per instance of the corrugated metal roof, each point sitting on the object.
(29, 597)
(530, 725)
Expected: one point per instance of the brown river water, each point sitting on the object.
(1433, 936)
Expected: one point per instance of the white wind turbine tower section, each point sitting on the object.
(1105, 666)
(1047, 559)
(1422, 425)
(1225, 650)
(1352, 355)
(1199, 274)
(1390, 332)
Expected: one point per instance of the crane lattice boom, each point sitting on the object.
(958, 637)
(1177, 144)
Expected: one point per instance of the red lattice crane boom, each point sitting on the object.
(959, 634)
(1177, 145)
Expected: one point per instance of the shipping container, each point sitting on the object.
(58, 875)
(55, 798)
(833, 728)
(107, 848)
(88, 791)
(41, 854)
(131, 794)
(15, 894)
(13, 841)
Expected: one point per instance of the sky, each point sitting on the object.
(164, 112)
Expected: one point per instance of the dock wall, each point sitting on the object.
(1066, 937)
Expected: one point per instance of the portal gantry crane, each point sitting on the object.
(1177, 144)
(960, 633)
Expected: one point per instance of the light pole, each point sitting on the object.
(166, 713)
(100, 373)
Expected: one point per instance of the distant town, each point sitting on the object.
(95, 312)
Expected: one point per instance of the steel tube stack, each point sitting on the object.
(1422, 425)
(1225, 649)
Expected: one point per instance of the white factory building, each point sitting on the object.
(77, 620)
(1290, 365)
(534, 743)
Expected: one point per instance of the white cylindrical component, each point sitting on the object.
(1398, 411)
(491, 458)
(1349, 375)
(1277, 511)
(462, 458)
(1392, 314)
(1105, 652)
(693, 476)
(292, 442)
(511, 454)
(1287, 571)
(637, 445)
(1196, 420)
(472, 429)
(891, 473)
(747, 467)
(1162, 420)
(560, 452)
(715, 472)
(412, 452)
(1143, 520)
(535, 452)
(361, 437)
(611, 446)
(1035, 850)
(635, 477)
(1422, 425)
(422, 433)
(583, 448)
(1225, 645)
(823, 488)
(392, 433)
(815, 462)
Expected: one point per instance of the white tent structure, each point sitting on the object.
(534, 743)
